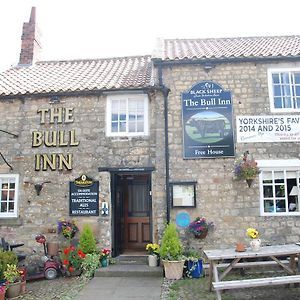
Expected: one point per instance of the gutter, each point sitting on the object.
(165, 92)
(188, 61)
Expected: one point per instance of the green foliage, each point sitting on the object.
(12, 274)
(6, 258)
(87, 241)
(90, 264)
(171, 247)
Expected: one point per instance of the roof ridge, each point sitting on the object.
(234, 38)
(91, 59)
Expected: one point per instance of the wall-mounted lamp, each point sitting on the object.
(54, 100)
(39, 186)
(207, 67)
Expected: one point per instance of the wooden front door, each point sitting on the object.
(136, 191)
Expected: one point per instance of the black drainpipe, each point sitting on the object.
(165, 92)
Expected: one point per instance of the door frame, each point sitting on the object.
(116, 250)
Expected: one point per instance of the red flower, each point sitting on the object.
(81, 254)
(71, 269)
(66, 251)
(72, 248)
(66, 262)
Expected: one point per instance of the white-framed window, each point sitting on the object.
(284, 89)
(127, 115)
(9, 190)
(279, 187)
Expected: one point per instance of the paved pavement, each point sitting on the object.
(122, 288)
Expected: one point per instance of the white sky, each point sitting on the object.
(105, 28)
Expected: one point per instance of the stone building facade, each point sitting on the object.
(120, 123)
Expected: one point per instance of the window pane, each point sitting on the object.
(140, 126)
(279, 190)
(11, 206)
(277, 102)
(268, 191)
(284, 77)
(287, 102)
(114, 117)
(122, 126)
(122, 117)
(114, 127)
(268, 206)
(275, 78)
(277, 90)
(131, 127)
(297, 78)
(280, 206)
(3, 206)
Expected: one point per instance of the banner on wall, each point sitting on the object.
(207, 121)
(268, 129)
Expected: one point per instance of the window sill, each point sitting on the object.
(11, 221)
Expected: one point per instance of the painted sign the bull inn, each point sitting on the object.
(207, 121)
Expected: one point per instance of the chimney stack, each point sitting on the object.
(31, 45)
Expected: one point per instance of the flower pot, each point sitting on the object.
(23, 287)
(2, 295)
(52, 248)
(173, 269)
(255, 244)
(201, 235)
(104, 262)
(152, 260)
(194, 268)
(13, 290)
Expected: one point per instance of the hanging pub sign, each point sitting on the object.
(207, 121)
(84, 197)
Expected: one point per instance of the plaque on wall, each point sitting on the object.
(84, 197)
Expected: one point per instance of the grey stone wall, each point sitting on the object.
(231, 205)
(39, 214)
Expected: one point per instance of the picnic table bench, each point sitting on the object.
(216, 257)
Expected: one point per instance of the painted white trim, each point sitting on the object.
(276, 165)
(15, 213)
(143, 97)
(270, 88)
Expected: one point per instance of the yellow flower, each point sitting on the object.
(152, 248)
(252, 232)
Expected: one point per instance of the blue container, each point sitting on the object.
(195, 268)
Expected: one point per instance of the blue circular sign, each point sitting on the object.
(183, 219)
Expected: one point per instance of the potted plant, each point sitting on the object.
(90, 264)
(255, 242)
(104, 255)
(171, 253)
(72, 259)
(200, 227)
(193, 264)
(87, 241)
(6, 258)
(246, 169)
(153, 251)
(13, 278)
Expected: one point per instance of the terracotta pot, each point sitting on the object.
(2, 296)
(240, 247)
(13, 290)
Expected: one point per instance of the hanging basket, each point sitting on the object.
(201, 235)
(249, 181)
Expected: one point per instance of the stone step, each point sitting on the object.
(132, 259)
(128, 270)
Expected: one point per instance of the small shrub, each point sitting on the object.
(171, 246)
(87, 241)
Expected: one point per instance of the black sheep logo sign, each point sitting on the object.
(207, 121)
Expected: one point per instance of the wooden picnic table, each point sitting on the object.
(215, 258)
